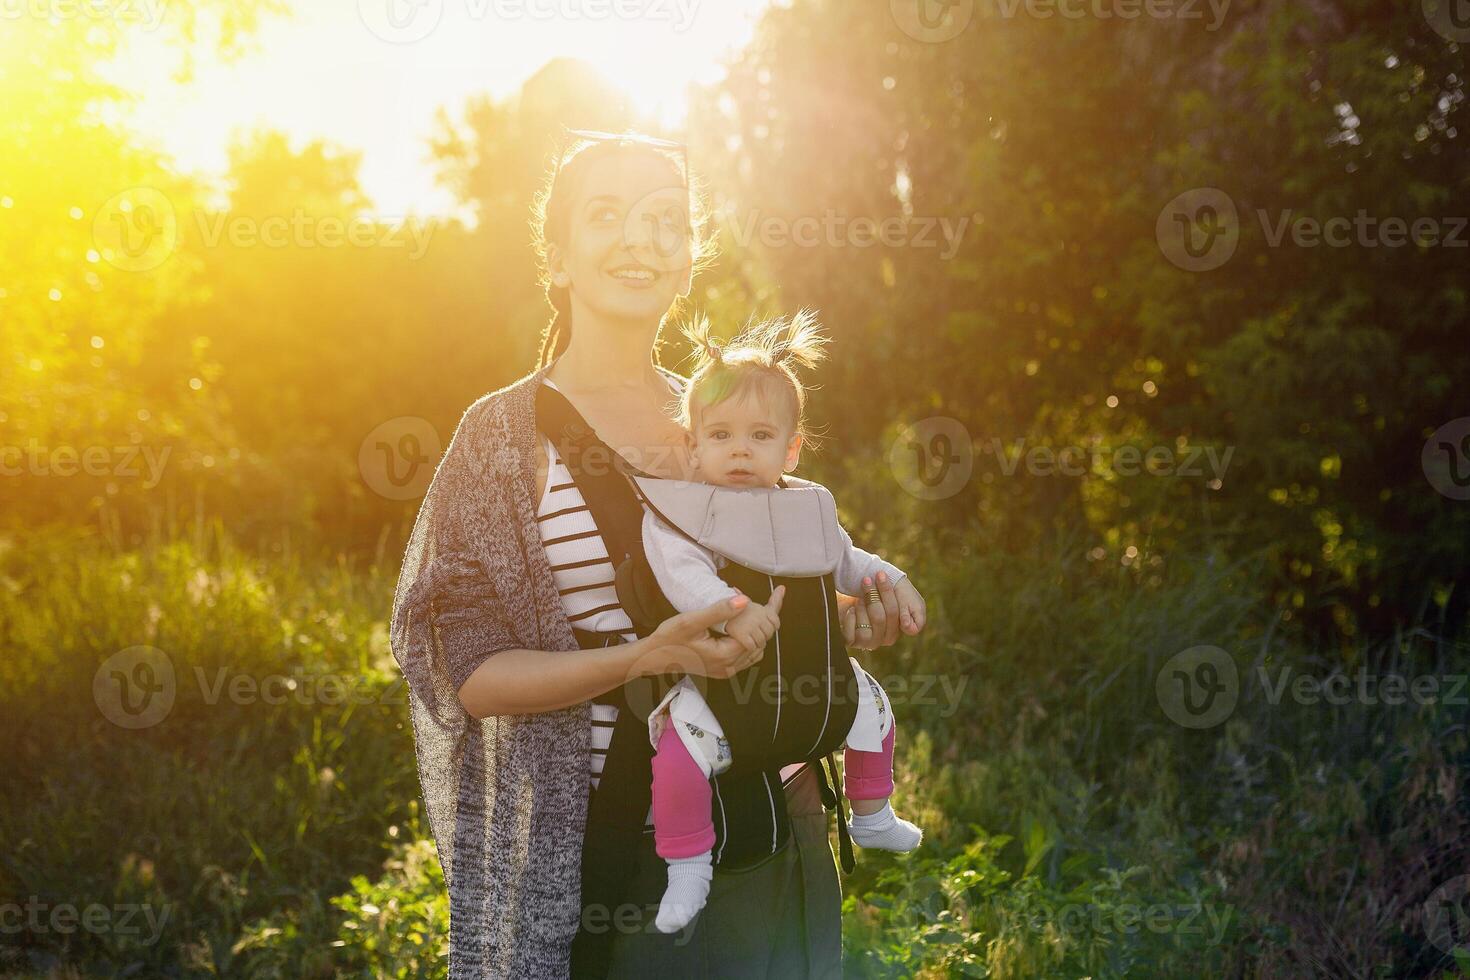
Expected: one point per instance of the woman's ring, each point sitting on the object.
(874, 597)
(864, 626)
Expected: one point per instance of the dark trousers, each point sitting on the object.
(779, 918)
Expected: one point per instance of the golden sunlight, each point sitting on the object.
(369, 75)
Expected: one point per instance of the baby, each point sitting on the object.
(743, 414)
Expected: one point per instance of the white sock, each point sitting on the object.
(689, 880)
(884, 830)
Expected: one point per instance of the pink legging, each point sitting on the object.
(682, 823)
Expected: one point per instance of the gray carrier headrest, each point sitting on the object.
(780, 531)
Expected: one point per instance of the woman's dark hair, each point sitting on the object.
(551, 221)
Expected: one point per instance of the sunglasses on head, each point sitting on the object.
(635, 139)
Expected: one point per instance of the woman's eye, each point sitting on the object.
(604, 214)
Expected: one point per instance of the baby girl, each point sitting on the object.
(743, 414)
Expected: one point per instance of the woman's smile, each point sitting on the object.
(633, 275)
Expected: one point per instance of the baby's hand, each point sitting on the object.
(912, 614)
(753, 625)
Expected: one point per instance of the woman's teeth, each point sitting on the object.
(638, 275)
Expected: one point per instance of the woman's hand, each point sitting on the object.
(873, 625)
(683, 642)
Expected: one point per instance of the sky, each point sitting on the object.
(369, 74)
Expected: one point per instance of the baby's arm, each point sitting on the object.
(854, 564)
(686, 572)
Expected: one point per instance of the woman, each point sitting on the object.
(501, 685)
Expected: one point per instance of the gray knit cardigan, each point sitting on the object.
(506, 796)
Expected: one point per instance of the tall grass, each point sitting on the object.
(283, 768)
(1072, 828)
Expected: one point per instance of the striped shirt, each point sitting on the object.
(584, 579)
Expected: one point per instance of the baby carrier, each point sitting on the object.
(765, 733)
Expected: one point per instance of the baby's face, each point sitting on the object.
(739, 444)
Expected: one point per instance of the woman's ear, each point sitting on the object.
(556, 267)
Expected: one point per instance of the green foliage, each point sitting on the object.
(1070, 828)
(281, 770)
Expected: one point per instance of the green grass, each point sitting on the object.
(1072, 829)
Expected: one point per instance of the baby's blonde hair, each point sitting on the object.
(757, 361)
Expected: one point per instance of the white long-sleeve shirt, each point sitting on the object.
(688, 573)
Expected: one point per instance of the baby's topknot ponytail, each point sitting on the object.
(763, 356)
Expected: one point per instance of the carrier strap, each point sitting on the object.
(832, 800)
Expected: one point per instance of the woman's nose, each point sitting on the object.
(638, 231)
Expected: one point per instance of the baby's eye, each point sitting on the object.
(763, 435)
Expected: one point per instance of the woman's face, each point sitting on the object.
(627, 252)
